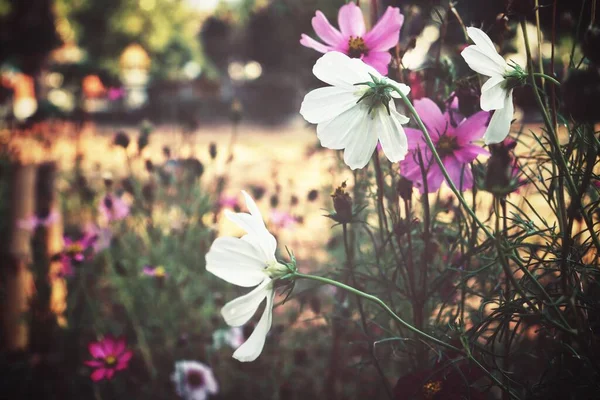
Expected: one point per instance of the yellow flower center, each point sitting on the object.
(430, 389)
(357, 47)
(110, 360)
(446, 145)
(160, 272)
(75, 248)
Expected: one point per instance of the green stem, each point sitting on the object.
(548, 77)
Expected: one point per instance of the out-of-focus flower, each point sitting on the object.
(249, 261)
(452, 144)
(232, 337)
(31, 223)
(417, 85)
(497, 91)
(110, 355)
(102, 236)
(356, 111)
(157, 272)
(115, 93)
(229, 202)
(75, 251)
(503, 175)
(282, 219)
(194, 380)
(352, 38)
(121, 139)
(113, 208)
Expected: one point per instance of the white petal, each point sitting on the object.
(337, 69)
(363, 141)
(326, 103)
(336, 133)
(258, 234)
(236, 261)
(196, 394)
(493, 94)
(238, 311)
(391, 134)
(483, 41)
(499, 126)
(252, 347)
(400, 86)
(481, 62)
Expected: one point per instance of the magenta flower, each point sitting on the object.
(453, 144)
(113, 208)
(352, 38)
(31, 223)
(229, 202)
(157, 272)
(110, 355)
(75, 251)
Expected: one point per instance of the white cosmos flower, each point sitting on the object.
(194, 380)
(247, 261)
(496, 94)
(344, 122)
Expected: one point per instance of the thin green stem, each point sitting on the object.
(548, 77)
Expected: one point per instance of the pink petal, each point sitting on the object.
(434, 179)
(459, 173)
(469, 152)
(415, 139)
(78, 257)
(94, 364)
(98, 374)
(472, 128)
(109, 345)
(110, 373)
(325, 30)
(386, 32)
(378, 60)
(124, 359)
(432, 117)
(307, 41)
(351, 21)
(96, 350)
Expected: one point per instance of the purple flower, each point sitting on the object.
(453, 144)
(229, 202)
(110, 355)
(157, 272)
(282, 219)
(113, 208)
(75, 251)
(352, 38)
(103, 236)
(31, 223)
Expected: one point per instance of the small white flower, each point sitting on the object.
(194, 380)
(496, 93)
(346, 120)
(232, 337)
(247, 261)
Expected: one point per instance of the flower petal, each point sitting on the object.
(459, 172)
(309, 42)
(351, 21)
(391, 134)
(386, 32)
(119, 346)
(434, 179)
(94, 363)
(236, 261)
(252, 347)
(108, 344)
(483, 41)
(336, 133)
(472, 128)
(481, 62)
(415, 138)
(238, 311)
(124, 359)
(499, 126)
(337, 69)
(470, 152)
(325, 103)
(98, 374)
(325, 30)
(432, 117)
(362, 142)
(109, 373)
(378, 60)
(493, 93)
(96, 350)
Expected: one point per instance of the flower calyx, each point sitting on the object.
(378, 92)
(516, 77)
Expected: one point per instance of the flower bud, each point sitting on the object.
(404, 187)
(143, 140)
(294, 200)
(212, 150)
(257, 192)
(121, 139)
(342, 204)
(312, 195)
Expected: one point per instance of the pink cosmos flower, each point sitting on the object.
(75, 251)
(113, 208)
(352, 38)
(31, 223)
(453, 144)
(110, 355)
(282, 219)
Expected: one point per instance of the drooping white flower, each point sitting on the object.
(247, 261)
(194, 380)
(347, 119)
(496, 92)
